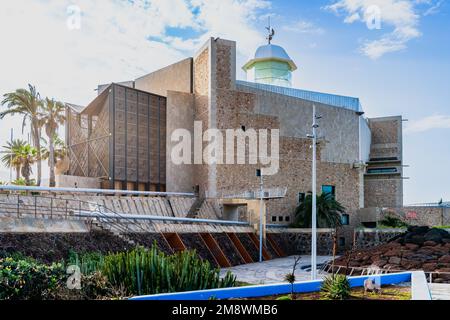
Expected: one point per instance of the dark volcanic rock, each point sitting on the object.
(421, 248)
(249, 245)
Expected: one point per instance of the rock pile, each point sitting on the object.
(420, 248)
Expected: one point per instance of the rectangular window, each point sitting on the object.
(329, 190)
(382, 170)
(341, 241)
(345, 219)
(274, 219)
(287, 218)
(280, 218)
(301, 197)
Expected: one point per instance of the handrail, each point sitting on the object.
(171, 219)
(95, 191)
(109, 214)
(97, 209)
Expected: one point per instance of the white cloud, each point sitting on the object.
(118, 40)
(305, 27)
(401, 15)
(428, 123)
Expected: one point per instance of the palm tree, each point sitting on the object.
(59, 146)
(11, 156)
(28, 156)
(52, 117)
(27, 103)
(328, 212)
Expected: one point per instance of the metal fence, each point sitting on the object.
(328, 268)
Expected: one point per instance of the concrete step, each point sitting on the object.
(440, 291)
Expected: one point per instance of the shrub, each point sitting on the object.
(336, 287)
(88, 263)
(393, 222)
(144, 271)
(25, 279)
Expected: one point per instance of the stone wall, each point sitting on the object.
(298, 242)
(64, 181)
(176, 77)
(419, 216)
(383, 191)
(180, 115)
(368, 238)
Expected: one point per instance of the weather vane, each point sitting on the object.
(271, 32)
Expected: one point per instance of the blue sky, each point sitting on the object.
(401, 68)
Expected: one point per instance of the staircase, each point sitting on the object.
(195, 208)
(107, 227)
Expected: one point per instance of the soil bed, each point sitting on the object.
(148, 239)
(387, 293)
(228, 248)
(194, 242)
(249, 245)
(53, 247)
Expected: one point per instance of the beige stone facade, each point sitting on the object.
(204, 88)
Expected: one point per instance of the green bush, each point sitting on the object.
(336, 287)
(144, 271)
(28, 280)
(88, 263)
(393, 222)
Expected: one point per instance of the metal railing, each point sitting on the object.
(350, 271)
(270, 193)
(93, 191)
(56, 207)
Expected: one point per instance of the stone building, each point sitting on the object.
(359, 159)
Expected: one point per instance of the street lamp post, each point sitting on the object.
(314, 196)
(11, 158)
(261, 189)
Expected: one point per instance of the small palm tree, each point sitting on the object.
(28, 156)
(27, 103)
(329, 212)
(52, 117)
(10, 158)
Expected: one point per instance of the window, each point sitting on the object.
(301, 197)
(341, 241)
(287, 219)
(382, 170)
(243, 128)
(345, 219)
(280, 218)
(329, 190)
(274, 219)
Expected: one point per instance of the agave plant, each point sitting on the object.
(150, 271)
(336, 287)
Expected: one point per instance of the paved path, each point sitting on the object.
(273, 271)
(440, 291)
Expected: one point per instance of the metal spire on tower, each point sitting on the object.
(271, 33)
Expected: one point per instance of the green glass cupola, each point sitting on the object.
(270, 65)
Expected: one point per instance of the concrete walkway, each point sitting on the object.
(440, 291)
(273, 271)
